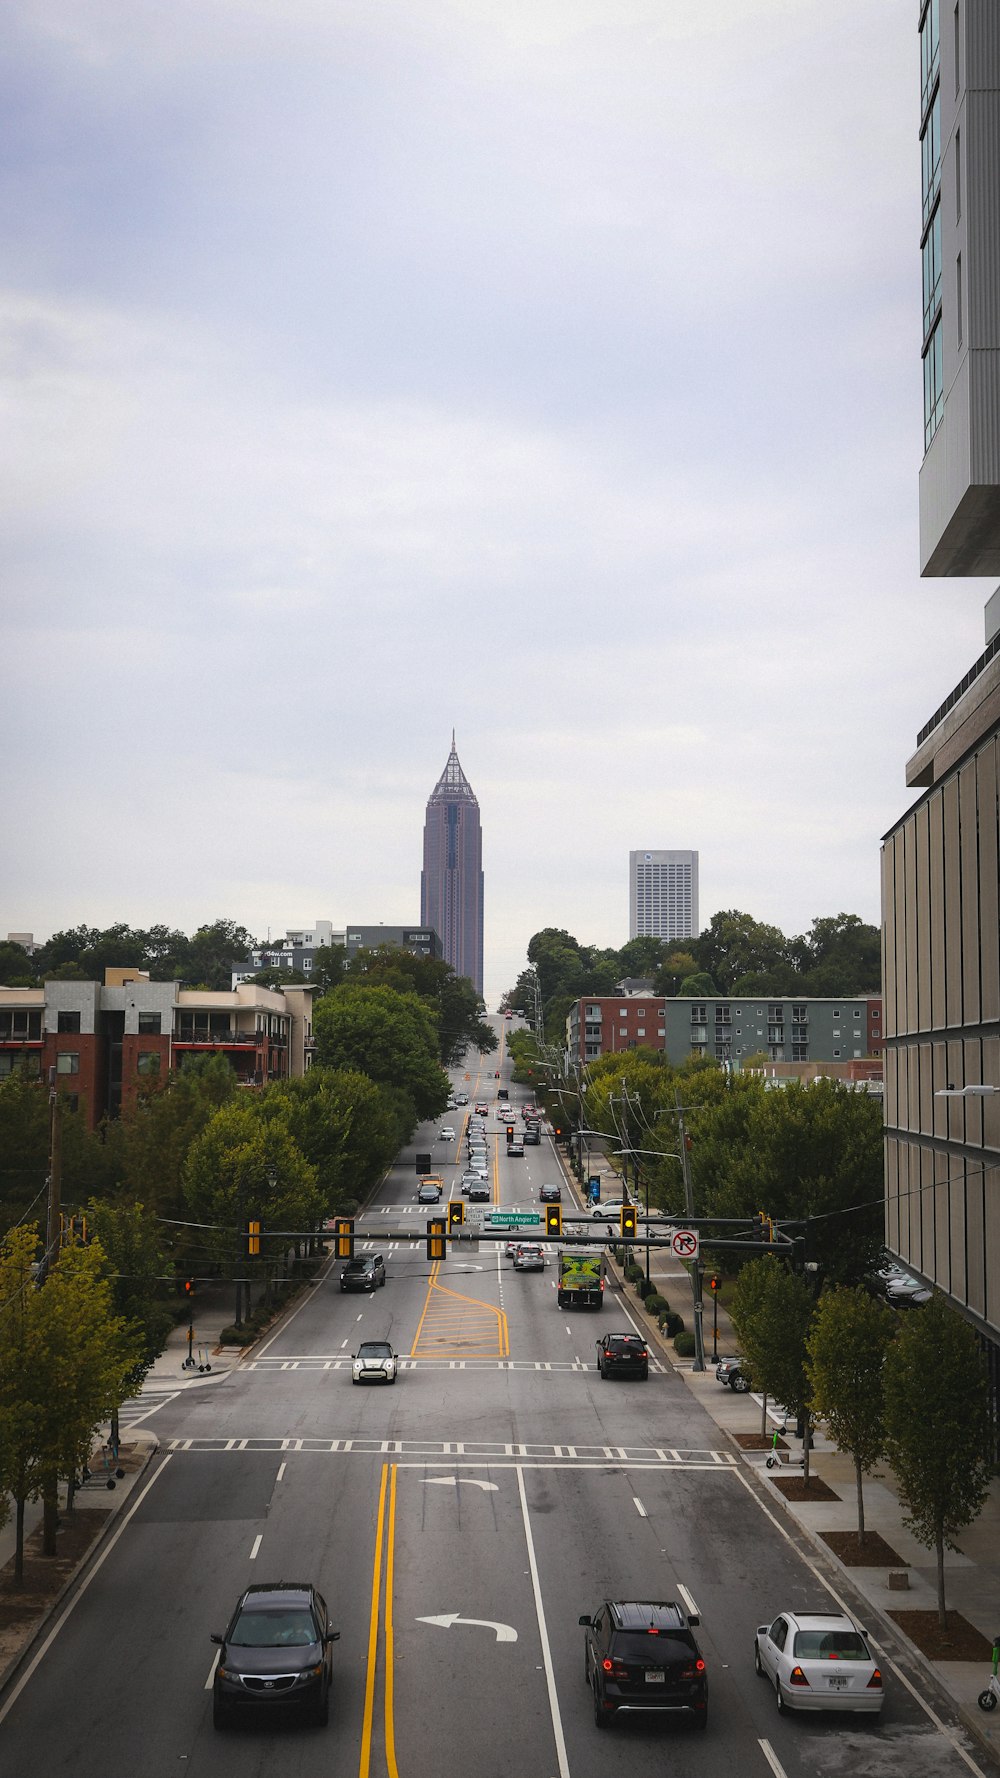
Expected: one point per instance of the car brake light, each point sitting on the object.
(875, 1682)
(797, 1677)
(607, 1665)
(699, 1666)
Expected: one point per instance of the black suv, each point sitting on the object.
(622, 1355)
(641, 1656)
(276, 1650)
(363, 1274)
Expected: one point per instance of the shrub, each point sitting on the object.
(644, 1287)
(656, 1304)
(233, 1336)
(672, 1324)
(684, 1345)
(633, 1272)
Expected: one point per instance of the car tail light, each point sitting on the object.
(699, 1666)
(617, 1669)
(875, 1682)
(693, 1671)
(797, 1677)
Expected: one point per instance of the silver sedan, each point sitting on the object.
(818, 1660)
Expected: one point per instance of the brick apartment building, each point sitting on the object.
(842, 1030)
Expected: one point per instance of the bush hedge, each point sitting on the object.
(644, 1286)
(684, 1345)
(656, 1304)
(672, 1324)
(633, 1272)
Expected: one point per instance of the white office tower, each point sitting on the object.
(662, 894)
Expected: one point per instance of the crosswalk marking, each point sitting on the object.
(647, 1456)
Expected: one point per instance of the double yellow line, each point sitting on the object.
(385, 1545)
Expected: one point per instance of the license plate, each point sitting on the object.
(838, 1683)
(654, 1676)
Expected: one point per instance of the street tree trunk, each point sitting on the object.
(861, 1500)
(942, 1611)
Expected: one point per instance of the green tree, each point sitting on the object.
(734, 944)
(158, 1131)
(391, 1037)
(347, 1126)
(17, 968)
(771, 1311)
(839, 955)
(136, 1265)
(676, 967)
(937, 1428)
(244, 1167)
(213, 951)
(693, 985)
(850, 1335)
(329, 967)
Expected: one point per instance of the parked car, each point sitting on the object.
(373, 1362)
(275, 1650)
(550, 1194)
(728, 1371)
(818, 1660)
(429, 1191)
(608, 1212)
(528, 1257)
(641, 1657)
(366, 1273)
(622, 1355)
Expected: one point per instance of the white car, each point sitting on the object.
(818, 1660)
(461, 1098)
(373, 1362)
(446, 1133)
(528, 1257)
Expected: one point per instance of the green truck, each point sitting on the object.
(581, 1279)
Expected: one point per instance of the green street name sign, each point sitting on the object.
(515, 1219)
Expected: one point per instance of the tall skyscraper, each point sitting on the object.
(451, 882)
(662, 894)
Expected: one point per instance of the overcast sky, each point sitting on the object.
(545, 369)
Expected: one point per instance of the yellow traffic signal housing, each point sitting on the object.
(456, 1214)
(344, 1230)
(553, 1220)
(436, 1244)
(628, 1222)
(253, 1239)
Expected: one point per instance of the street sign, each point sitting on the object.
(594, 1188)
(515, 1219)
(685, 1244)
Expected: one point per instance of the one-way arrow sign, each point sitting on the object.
(505, 1632)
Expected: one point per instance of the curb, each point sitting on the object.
(8, 1673)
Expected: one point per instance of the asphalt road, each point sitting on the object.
(458, 1524)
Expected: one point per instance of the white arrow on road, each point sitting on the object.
(505, 1632)
(452, 1481)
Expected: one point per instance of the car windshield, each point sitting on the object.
(375, 1349)
(355, 1266)
(273, 1629)
(830, 1645)
(653, 1647)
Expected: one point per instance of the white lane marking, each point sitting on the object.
(827, 1586)
(641, 1510)
(772, 1759)
(82, 1588)
(543, 1635)
(689, 1604)
(258, 1540)
(343, 1343)
(211, 1671)
(281, 1471)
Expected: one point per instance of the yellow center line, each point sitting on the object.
(366, 1731)
(435, 1269)
(390, 1551)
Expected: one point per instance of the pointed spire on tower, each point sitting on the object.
(453, 785)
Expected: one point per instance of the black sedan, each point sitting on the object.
(275, 1651)
(622, 1355)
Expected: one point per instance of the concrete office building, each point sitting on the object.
(960, 247)
(940, 871)
(451, 882)
(298, 948)
(662, 894)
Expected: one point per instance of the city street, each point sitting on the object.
(458, 1524)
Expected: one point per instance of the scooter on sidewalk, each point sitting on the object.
(987, 1700)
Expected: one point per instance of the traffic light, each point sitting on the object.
(553, 1220)
(435, 1237)
(253, 1239)
(188, 1287)
(714, 1284)
(456, 1215)
(628, 1222)
(344, 1231)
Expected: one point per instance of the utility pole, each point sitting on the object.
(53, 1215)
(696, 1271)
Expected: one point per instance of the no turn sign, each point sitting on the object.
(685, 1244)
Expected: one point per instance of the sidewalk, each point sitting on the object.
(972, 1576)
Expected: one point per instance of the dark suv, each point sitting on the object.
(622, 1355)
(641, 1656)
(276, 1650)
(366, 1273)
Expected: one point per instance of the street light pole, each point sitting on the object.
(697, 1274)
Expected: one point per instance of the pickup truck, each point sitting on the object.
(581, 1280)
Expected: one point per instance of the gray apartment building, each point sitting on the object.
(729, 1030)
(941, 859)
(662, 894)
(298, 947)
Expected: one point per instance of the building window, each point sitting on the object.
(958, 297)
(68, 1062)
(930, 255)
(800, 1052)
(68, 1021)
(148, 1062)
(150, 1024)
(930, 50)
(800, 1014)
(697, 1015)
(958, 175)
(933, 383)
(930, 152)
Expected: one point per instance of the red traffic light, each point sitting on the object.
(189, 1287)
(715, 1284)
